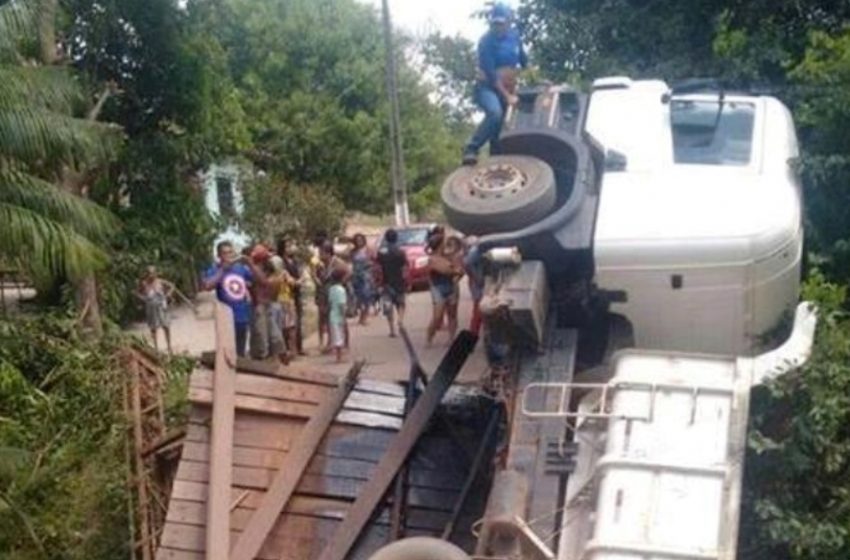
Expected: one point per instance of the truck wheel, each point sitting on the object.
(420, 548)
(504, 193)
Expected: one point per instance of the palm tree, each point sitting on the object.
(46, 230)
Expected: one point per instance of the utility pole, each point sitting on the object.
(402, 214)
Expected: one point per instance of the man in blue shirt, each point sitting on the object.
(232, 278)
(500, 54)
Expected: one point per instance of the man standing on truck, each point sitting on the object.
(500, 55)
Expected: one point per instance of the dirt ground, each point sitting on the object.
(386, 358)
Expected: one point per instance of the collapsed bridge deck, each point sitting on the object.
(272, 407)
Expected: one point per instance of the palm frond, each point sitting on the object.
(33, 135)
(45, 246)
(17, 20)
(21, 189)
(46, 87)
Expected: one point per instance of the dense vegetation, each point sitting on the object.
(109, 111)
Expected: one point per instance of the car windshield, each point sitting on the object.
(708, 133)
(415, 236)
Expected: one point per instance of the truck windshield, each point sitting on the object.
(709, 132)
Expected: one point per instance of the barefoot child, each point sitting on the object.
(337, 301)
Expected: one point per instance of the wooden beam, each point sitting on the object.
(277, 370)
(140, 475)
(174, 436)
(291, 470)
(221, 446)
(349, 530)
(288, 409)
(305, 373)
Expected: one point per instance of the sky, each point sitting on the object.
(422, 17)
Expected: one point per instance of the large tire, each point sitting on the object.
(420, 548)
(504, 193)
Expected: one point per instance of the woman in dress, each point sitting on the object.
(154, 292)
(362, 279)
(445, 272)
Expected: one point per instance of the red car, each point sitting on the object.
(413, 240)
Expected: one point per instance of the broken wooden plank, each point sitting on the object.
(287, 390)
(349, 530)
(298, 410)
(300, 372)
(166, 440)
(221, 446)
(292, 469)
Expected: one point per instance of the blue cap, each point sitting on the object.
(500, 13)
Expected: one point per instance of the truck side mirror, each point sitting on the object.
(615, 161)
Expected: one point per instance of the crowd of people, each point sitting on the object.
(264, 287)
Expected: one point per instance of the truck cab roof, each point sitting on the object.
(703, 177)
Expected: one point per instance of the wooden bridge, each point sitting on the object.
(282, 463)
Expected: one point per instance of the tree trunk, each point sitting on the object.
(47, 31)
(85, 289)
(85, 298)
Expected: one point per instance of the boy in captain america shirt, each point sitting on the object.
(232, 279)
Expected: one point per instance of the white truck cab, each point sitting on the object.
(642, 247)
(700, 223)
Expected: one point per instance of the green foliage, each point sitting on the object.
(46, 232)
(181, 113)
(746, 42)
(62, 420)
(657, 38)
(275, 208)
(425, 204)
(455, 64)
(166, 224)
(63, 432)
(797, 503)
(819, 90)
(312, 84)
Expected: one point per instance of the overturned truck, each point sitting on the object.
(642, 246)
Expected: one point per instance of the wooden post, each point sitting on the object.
(131, 508)
(221, 444)
(138, 441)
